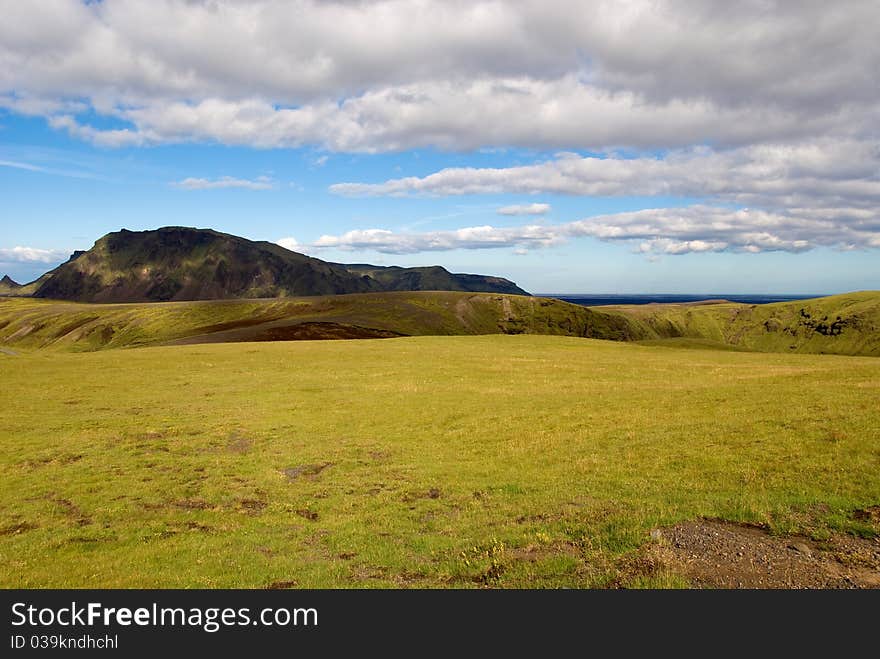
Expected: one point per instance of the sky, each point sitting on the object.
(603, 147)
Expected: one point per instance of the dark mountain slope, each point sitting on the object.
(433, 278)
(179, 263)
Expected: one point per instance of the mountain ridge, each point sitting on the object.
(182, 264)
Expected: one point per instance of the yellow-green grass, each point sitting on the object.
(506, 461)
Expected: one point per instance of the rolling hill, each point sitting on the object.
(180, 263)
(842, 324)
(29, 324)
(847, 324)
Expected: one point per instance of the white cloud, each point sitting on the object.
(833, 183)
(462, 115)
(786, 94)
(31, 255)
(663, 230)
(393, 74)
(288, 243)
(22, 165)
(109, 138)
(40, 169)
(524, 209)
(259, 183)
(482, 237)
(771, 173)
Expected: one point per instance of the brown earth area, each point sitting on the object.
(720, 554)
(287, 330)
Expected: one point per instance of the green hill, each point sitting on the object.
(843, 324)
(32, 324)
(180, 263)
(11, 288)
(847, 324)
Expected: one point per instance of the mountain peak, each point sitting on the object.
(185, 263)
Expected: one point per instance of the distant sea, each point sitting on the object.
(595, 300)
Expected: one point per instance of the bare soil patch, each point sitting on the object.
(281, 585)
(239, 444)
(293, 473)
(720, 554)
(17, 527)
(70, 510)
(321, 331)
(286, 330)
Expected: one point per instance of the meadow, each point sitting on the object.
(429, 461)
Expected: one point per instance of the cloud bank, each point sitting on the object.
(525, 209)
(664, 230)
(823, 192)
(260, 183)
(391, 75)
(29, 255)
(763, 111)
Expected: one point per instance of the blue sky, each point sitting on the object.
(663, 164)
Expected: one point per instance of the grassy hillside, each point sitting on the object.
(841, 324)
(503, 461)
(27, 324)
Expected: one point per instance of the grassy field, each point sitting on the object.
(459, 461)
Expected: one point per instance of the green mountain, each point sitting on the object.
(11, 288)
(179, 263)
(432, 278)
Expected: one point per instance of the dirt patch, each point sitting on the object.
(252, 506)
(432, 493)
(533, 553)
(285, 330)
(239, 444)
(719, 554)
(293, 473)
(310, 515)
(70, 510)
(281, 585)
(76, 324)
(62, 459)
(321, 331)
(463, 309)
(871, 514)
(16, 528)
(90, 539)
(192, 504)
